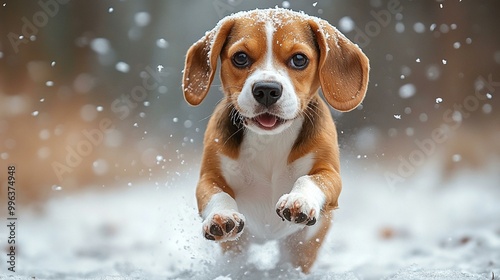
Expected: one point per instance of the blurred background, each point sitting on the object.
(90, 91)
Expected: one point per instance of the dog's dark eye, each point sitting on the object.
(299, 61)
(241, 60)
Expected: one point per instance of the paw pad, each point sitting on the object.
(223, 227)
(295, 208)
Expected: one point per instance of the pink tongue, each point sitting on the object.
(266, 120)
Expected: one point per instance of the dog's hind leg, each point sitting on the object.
(302, 247)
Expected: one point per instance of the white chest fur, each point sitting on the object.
(261, 175)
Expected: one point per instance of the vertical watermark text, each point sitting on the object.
(11, 218)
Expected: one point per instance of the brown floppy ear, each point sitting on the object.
(201, 63)
(343, 68)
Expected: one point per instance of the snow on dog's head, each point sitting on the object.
(270, 39)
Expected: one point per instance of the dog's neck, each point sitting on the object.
(280, 141)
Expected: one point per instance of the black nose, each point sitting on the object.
(267, 93)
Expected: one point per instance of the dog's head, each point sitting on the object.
(272, 63)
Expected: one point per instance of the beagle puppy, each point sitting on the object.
(270, 166)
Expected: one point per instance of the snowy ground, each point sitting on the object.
(153, 232)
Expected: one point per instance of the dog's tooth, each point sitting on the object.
(216, 230)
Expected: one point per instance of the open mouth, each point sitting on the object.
(267, 121)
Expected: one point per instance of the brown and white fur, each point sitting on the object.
(270, 167)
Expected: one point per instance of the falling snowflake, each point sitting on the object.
(456, 157)
(122, 67)
(407, 91)
(162, 43)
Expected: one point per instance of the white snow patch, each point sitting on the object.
(144, 231)
(122, 67)
(487, 108)
(407, 91)
(400, 27)
(456, 158)
(346, 24)
(100, 45)
(100, 167)
(162, 43)
(419, 27)
(142, 19)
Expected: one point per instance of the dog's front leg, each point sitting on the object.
(303, 204)
(310, 203)
(310, 195)
(218, 209)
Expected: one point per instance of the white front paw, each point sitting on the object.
(295, 207)
(223, 226)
